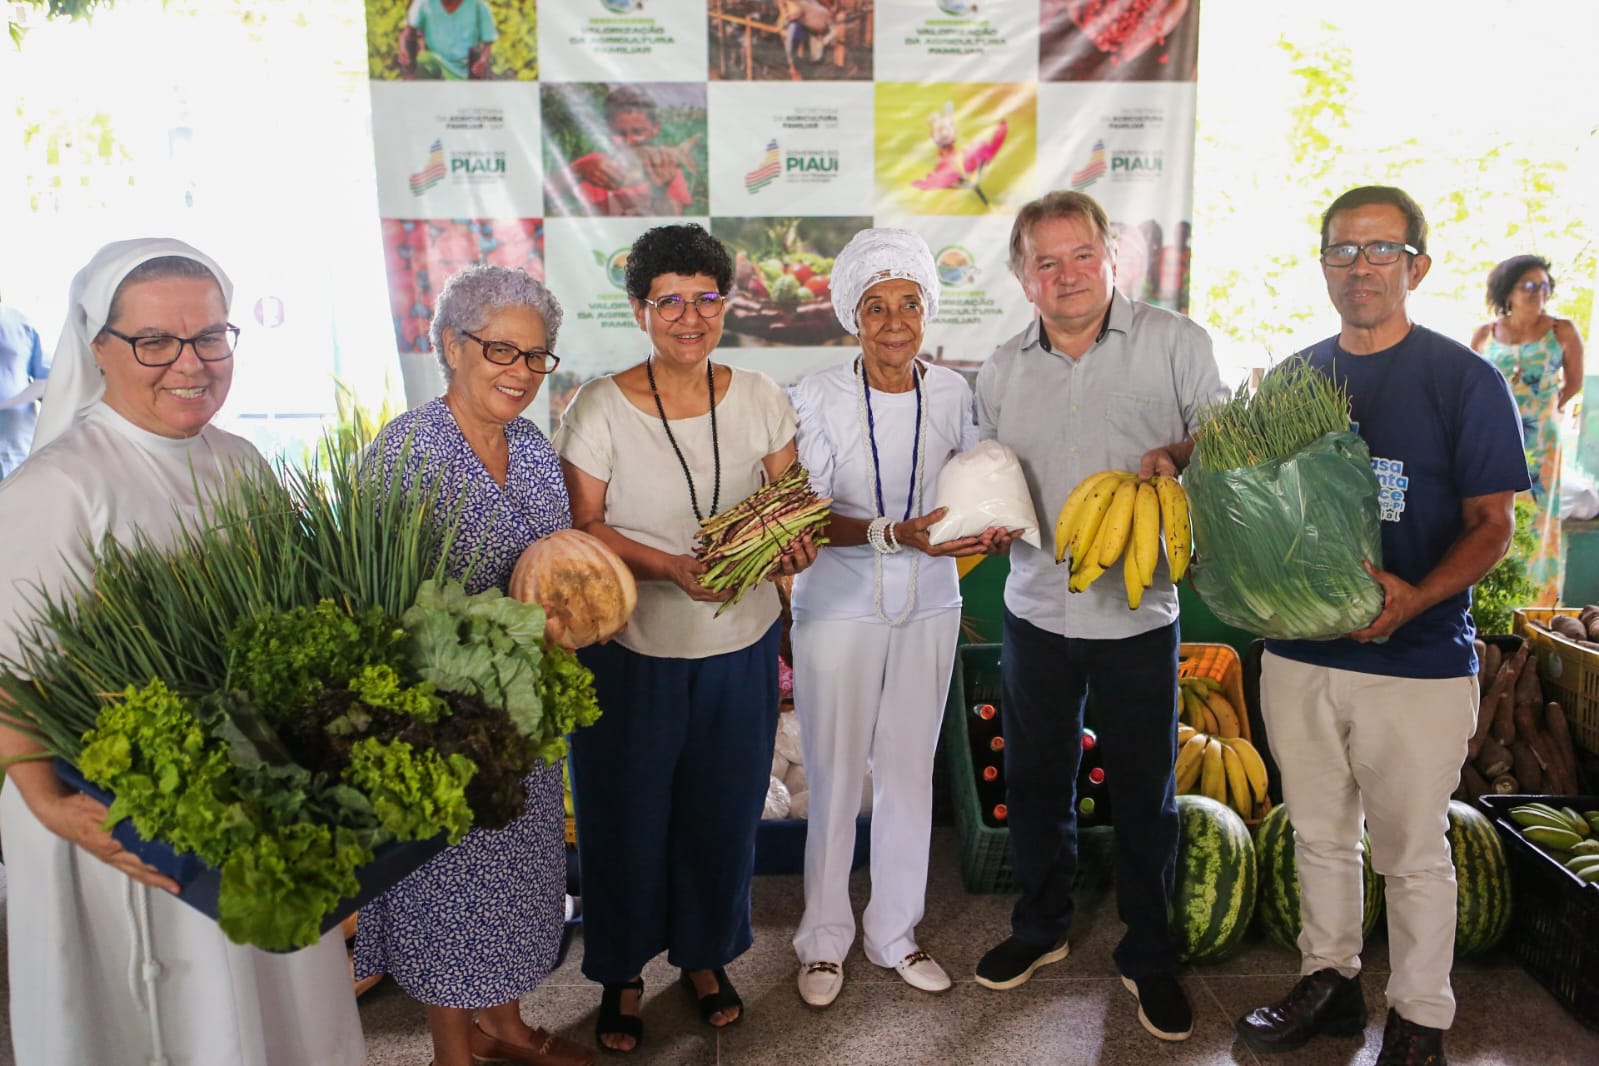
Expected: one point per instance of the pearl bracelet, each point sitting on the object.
(876, 537)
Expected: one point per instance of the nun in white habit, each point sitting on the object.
(105, 965)
(877, 615)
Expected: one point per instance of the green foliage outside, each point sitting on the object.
(1506, 587)
(516, 52)
(1263, 294)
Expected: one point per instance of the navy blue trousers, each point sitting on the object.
(668, 788)
(1046, 679)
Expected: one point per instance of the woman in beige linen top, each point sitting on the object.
(669, 785)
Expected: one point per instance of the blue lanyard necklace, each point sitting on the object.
(871, 438)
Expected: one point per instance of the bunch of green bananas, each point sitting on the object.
(1570, 837)
(1115, 513)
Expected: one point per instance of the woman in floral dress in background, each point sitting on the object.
(1541, 357)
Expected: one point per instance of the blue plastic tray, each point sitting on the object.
(198, 883)
(780, 845)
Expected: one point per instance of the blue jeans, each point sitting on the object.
(1133, 680)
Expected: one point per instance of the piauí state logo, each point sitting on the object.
(1093, 170)
(770, 167)
(432, 171)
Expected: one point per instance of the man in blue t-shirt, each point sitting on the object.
(1376, 723)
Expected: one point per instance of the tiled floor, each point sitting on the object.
(1075, 1012)
(1072, 1013)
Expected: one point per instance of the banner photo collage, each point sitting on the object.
(549, 135)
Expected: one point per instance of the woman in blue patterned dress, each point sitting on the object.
(479, 926)
(1541, 357)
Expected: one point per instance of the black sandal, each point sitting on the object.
(613, 1022)
(725, 998)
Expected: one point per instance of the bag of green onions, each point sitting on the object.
(1285, 511)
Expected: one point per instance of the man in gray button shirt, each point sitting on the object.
(1095, 382)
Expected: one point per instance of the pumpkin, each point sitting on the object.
(587, 592)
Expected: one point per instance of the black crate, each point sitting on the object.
(1554, 929)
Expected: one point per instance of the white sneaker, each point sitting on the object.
(920, 971)
(820, 982)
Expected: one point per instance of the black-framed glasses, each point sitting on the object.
(1535, 286)
(504, 353)
(671, 308)
(1378, 253)
(163, 349)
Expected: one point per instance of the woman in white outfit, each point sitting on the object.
(877, 615)
(105, 965)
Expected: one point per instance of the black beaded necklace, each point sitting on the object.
(716, 451)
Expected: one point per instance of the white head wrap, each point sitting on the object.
(881, 254)
(75, 383)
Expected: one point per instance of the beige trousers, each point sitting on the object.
(1387, 750)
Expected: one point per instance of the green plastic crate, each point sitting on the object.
(985, 850)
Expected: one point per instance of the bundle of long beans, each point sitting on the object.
(744, 545)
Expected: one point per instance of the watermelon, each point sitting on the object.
(1482, 877)
(1214, 896)
(1279, 881)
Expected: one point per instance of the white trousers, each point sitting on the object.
(1388, 750)
(869, 695)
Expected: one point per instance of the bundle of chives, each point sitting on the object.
(1295, 405)
(260, 543)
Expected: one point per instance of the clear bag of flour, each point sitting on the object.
(983, 488)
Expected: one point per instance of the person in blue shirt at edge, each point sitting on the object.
(1377, 722)
(1096, 382)
(448, 39)
(22, 362)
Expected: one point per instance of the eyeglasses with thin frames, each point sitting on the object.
(707, 305)
(1378, 253)
(504, 353)
(163, 349)
(1534, 286)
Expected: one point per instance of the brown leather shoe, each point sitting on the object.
(1404, 1043)
(545, 1049)
(1322, 1003)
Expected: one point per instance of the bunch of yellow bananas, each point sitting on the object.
(1113, 514)
(1227, 769)
(1203, 705)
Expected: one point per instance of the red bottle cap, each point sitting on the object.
(996, 744)
(1097, 775)
(1090, 740)
(986, 711)
(1000, 811)
(990, 773)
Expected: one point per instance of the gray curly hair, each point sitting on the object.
(471, 296)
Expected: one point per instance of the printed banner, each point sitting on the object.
(549, 136)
